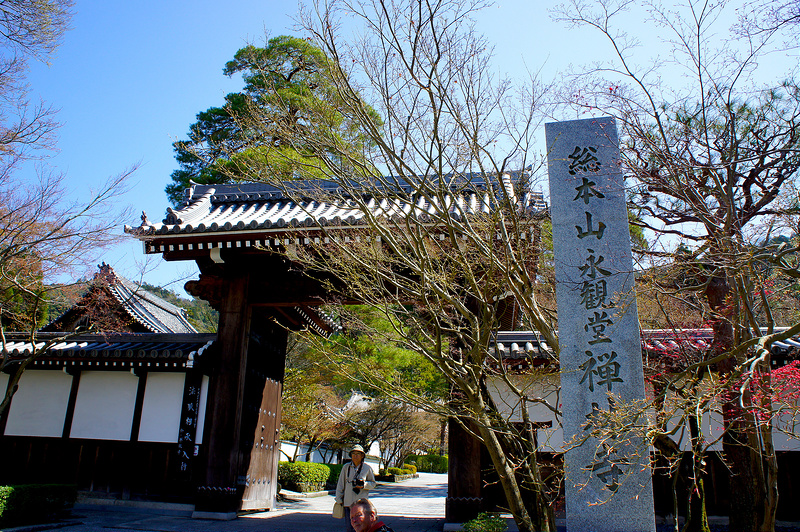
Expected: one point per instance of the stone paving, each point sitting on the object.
(416, 505)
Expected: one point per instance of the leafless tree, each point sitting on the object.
(44, 236)
(450, 236)
(28, 29)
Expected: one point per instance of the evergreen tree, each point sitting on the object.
(252, 136)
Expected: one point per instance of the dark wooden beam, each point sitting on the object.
(73, 399)
(139, 406)
(220, 491)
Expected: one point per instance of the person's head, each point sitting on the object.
(357, 454)
(362, 515)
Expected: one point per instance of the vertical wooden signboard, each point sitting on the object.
(609, 485)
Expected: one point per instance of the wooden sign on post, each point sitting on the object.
(608, 478)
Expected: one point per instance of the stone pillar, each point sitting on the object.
(608, 484)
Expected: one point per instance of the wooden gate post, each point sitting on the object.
(219, 493)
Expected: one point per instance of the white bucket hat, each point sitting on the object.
(357, 449)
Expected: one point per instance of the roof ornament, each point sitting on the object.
(190, 191)
(145, 222)
(106, 273)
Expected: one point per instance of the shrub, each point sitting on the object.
(303, 476)
(486, 522)
(333, 478)
(394, 471)
(32, 503)
(430, 463)
(411, 467)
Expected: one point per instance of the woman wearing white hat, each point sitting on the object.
(355, 481)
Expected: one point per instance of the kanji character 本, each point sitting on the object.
(586, 190)
(603, 368)
(601, 227)
(598, 324)
(593, 294)
(583, 160)
(592, 266)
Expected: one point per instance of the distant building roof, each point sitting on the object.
(149, 311)
(523, 350)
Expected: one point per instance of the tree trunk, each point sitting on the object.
(741, 443)
(310, 449)
(696, 516)
(530, 510)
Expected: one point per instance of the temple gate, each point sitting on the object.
(238, 235)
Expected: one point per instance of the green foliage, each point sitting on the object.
(411, 467)
(336, 470)
(394, 471)
(486, 522)
(372, 351)
(34, 503)
(303, 476)
(23, 295)
(252, 136)
(429, 463)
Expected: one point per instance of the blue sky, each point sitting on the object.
(128, 81)
(130, 77)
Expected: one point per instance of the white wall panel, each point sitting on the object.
(201, 419)
(540, 386)
(40, 404)
(161, 411)
(105, 405)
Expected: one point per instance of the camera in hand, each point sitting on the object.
(357, 485)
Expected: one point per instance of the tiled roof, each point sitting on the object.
(145, 308)
(154, 313)
(523, 349)
(212, 209)
(111, 351)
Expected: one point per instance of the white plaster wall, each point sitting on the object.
(105, 405)
(535, 387)
(201, 419)
(786, 434)
(288, 448)
(161, 410)
(40, 404)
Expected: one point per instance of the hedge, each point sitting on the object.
(486, 522)
(429, 463)
(34, 503)
(303, 476)
(411, 467)
(333, 479)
